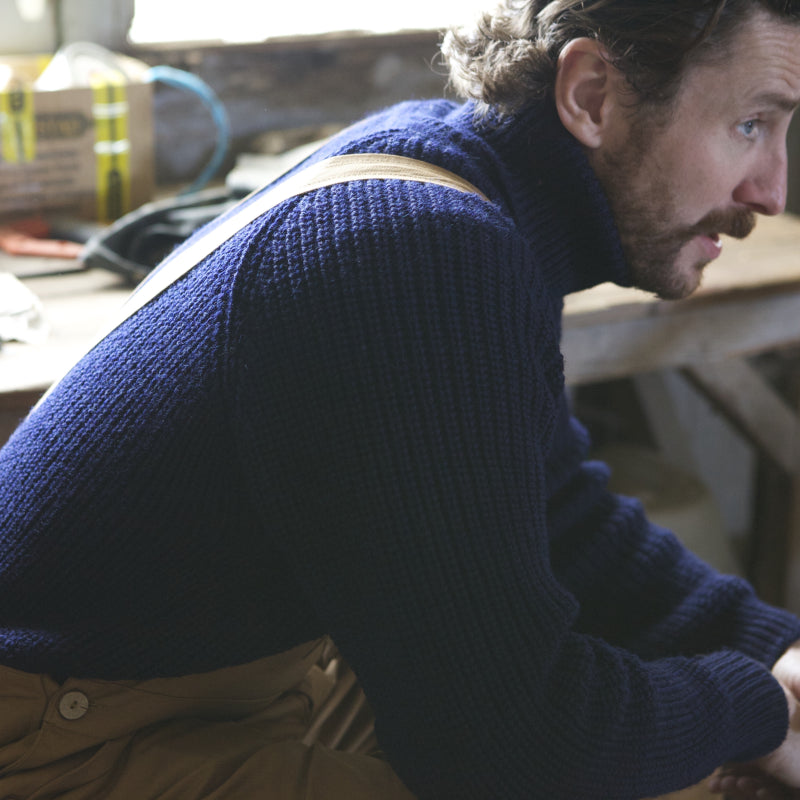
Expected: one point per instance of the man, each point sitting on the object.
(350, 420)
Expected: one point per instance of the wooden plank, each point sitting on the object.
(658, 402)
(753, 407)
(601, 348)
(791, 598)
(790, 574)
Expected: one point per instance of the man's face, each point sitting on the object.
(713, 163)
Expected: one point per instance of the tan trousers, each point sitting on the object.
(234, 734)
(256, 732)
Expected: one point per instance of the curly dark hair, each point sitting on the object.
(511, 55)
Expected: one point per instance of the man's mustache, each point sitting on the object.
(738, 223)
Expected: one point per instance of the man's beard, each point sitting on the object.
(642, 209)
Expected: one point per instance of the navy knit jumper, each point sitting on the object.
(351, 419)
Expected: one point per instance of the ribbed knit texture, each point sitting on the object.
(351, 419)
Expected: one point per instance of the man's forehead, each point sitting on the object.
(761, 63)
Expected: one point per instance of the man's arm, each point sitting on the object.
(635, 582)
(398, 419)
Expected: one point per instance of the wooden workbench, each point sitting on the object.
(749, 304)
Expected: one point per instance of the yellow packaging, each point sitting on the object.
(86, 151)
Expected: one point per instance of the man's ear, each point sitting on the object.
(587, 92)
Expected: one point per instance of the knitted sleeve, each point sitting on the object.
(640, 588)
(394, 402)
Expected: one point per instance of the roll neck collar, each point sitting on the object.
(556, 198)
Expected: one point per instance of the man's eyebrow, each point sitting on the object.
(777, 100)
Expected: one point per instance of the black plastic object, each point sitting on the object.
(138, 241)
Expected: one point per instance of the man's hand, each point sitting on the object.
(745, 782)
(776, 776)
(784, 763)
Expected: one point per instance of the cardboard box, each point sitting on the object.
(83, 151)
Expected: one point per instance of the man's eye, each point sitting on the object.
(749, 127)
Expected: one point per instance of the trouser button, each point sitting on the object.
(73, 705)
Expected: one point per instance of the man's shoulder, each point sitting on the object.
(439, 132)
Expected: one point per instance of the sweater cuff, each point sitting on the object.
(758, 717)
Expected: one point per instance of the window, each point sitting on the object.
(247, 21)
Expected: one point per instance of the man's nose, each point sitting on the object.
(764, 191)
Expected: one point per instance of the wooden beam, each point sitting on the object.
(753, 407)
(692, 334)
